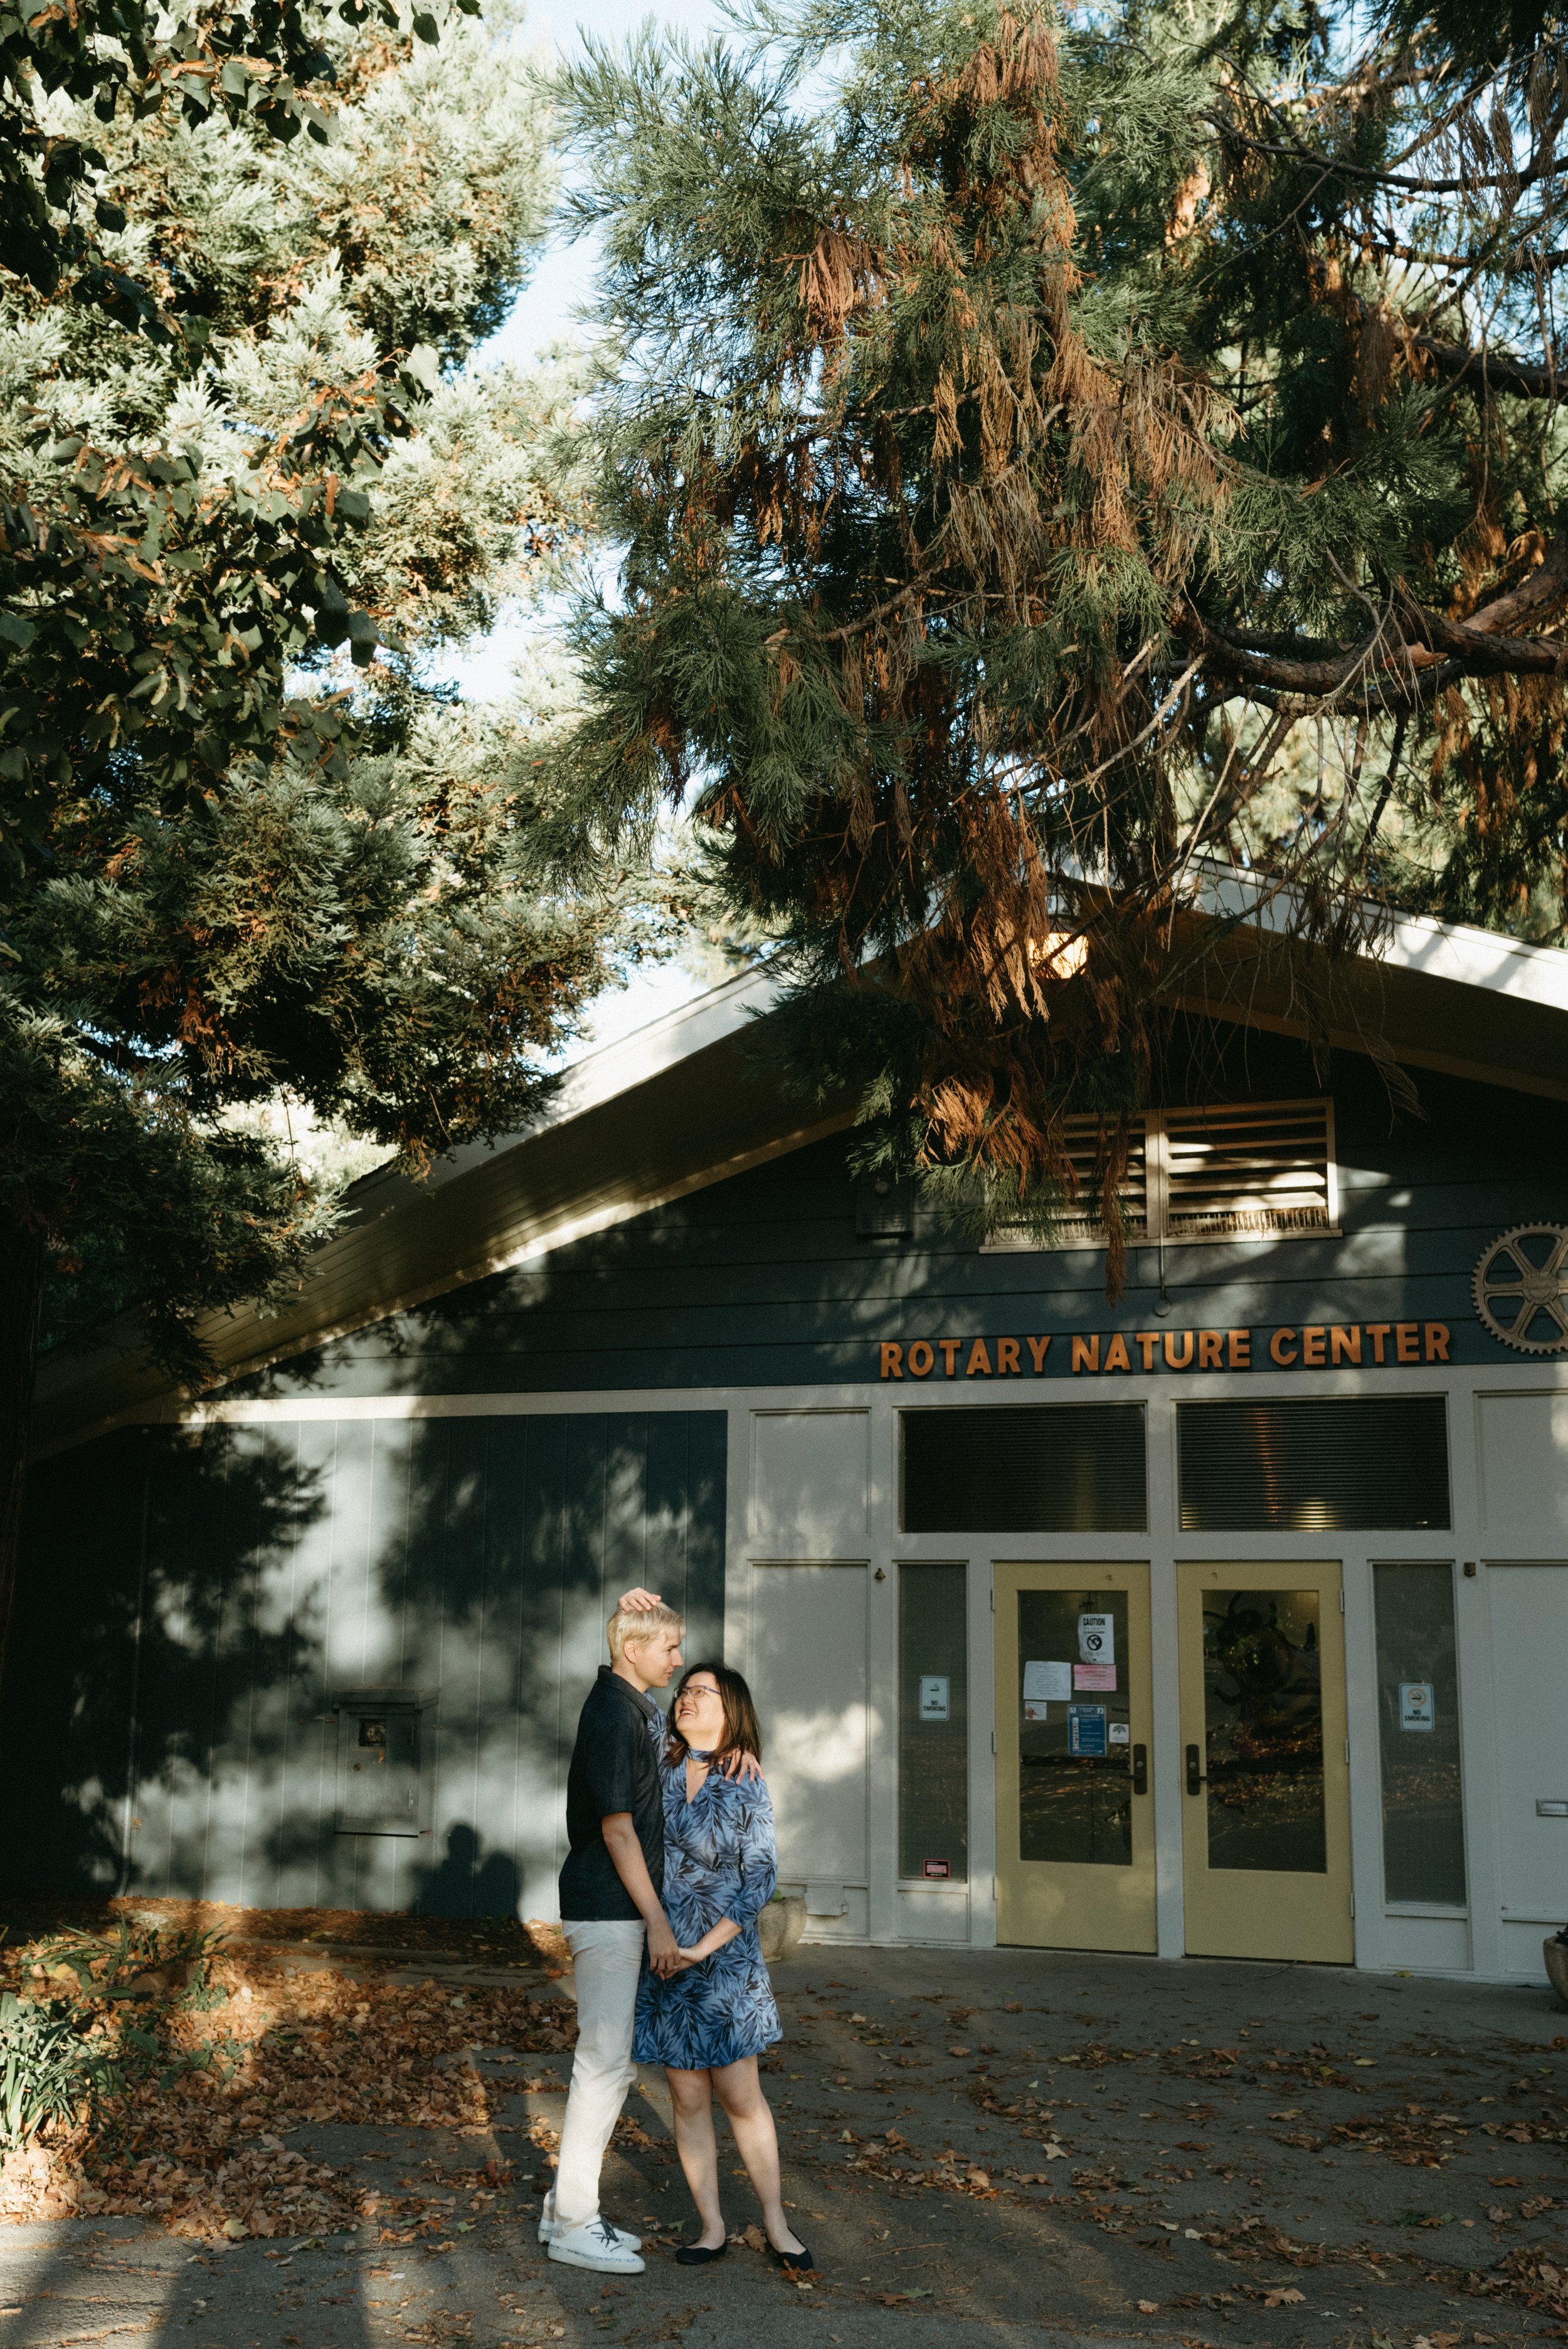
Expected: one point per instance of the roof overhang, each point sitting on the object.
(683, 1103)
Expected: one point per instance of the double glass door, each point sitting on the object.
(1074, 1722)
(1265, 1806)
(1263, 1815)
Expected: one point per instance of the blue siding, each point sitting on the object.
(761, 1280)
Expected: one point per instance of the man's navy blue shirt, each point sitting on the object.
(614, 1768)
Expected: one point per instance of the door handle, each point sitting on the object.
(1196, 1778)
(1141, 1769)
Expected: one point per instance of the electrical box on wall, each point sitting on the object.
(884, 1210)
(385, 1752)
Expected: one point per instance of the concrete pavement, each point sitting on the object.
(1017, 2147)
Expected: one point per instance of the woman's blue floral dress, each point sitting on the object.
(721, 1860)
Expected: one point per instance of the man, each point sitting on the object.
(610, 1907)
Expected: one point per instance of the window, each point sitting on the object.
(1377, 1462)
(382, 1757)
(1023, 1468)
(932, 1724)
(1259, 1170)
(1419, 1736)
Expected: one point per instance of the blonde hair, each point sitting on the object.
(631, 1628)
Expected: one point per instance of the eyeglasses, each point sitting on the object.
(697, 1688)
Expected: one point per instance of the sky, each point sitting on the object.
(545, 311)
(543, 314)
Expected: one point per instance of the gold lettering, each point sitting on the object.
(1313, 1342)
(1115, 1354)
(1438, 1336)
(1344, 1345)
(1147, 1340)
(979, 1363)
(949, 1347)
(1007, 1357)
(1173, 1361)
(1407, 1342)
(1278, 1343)
(920, 1359)
(1086, 1355)
(1238, 1349)
(892, 1361)
(1377, 1331)
(1039, 1348)
(1208, 1342)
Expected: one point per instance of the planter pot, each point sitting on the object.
(1556, 1955)
(781, 1924)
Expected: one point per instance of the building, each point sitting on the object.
(1230, 1619)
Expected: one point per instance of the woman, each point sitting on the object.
(708, 2023)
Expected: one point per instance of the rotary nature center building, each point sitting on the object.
(1229, 1619)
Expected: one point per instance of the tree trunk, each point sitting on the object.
(21, 1304)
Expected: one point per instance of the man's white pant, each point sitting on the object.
(607, 1959)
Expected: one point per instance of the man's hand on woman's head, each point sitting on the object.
(637, 1601)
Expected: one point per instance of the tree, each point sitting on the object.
(1057, 456)
(234, 864)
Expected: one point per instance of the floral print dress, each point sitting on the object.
(721, 1860)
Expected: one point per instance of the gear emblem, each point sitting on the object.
(1520, 1289)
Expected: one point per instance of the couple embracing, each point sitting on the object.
(671, 1861)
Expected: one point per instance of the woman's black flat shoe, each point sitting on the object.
(799, 2261)
(696, 2255)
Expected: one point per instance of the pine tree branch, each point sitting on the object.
(1334, 167)
(1491, 370)
(1417, 645)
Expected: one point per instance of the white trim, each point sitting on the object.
(1454, 951)
(1453, 1379)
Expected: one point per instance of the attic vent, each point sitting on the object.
(1264, 1168)
(1087, 1139)
(1256, 1170)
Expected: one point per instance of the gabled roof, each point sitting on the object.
(682, 1103)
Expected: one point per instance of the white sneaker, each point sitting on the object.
(597, 2246)
(548, 2229)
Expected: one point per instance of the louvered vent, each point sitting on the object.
(1233, 1173)
(1087, 1139)
(1260, 1170)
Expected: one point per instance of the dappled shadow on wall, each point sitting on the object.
(718, 1269)
(140, 1636)
(215, 1629)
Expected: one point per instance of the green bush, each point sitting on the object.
(100, 2025)
(48, 2068)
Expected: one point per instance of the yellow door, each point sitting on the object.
(1074, 1818)
(1266, 1814)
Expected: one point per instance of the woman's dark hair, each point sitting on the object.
(741, 1732)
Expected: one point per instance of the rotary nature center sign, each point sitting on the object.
(1325, 1345)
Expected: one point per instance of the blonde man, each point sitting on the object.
(610, 1906)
